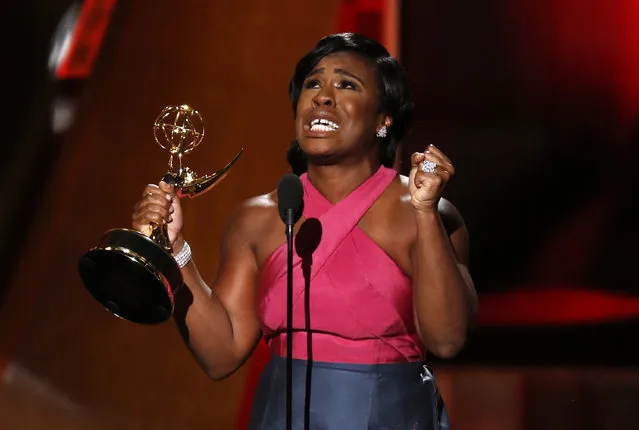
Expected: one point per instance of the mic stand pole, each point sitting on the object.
(289, 319)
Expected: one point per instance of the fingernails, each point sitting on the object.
(170, 219)
(168, 197)
(171, 210)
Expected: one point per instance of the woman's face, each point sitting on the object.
(338, 112)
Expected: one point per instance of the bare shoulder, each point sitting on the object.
(259, 203)
(252, 215)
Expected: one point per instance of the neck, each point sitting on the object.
(336, 181)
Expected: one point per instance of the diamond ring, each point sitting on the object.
(428, 167)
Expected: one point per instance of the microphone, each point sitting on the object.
(290, 205)
(290, 196)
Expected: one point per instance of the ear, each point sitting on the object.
(384, 121)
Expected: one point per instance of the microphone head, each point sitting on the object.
(290, 195)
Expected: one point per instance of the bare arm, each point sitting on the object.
(219, 324)
(444, 297)
(445, 301)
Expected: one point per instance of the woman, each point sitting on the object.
(380, 274)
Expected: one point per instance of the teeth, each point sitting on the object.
(323, 125)
(319, 127)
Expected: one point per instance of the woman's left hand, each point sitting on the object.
(429, 173)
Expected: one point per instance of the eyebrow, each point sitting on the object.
(339, 72)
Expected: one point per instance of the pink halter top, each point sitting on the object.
(351, 302)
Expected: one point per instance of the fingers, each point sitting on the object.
(445, 161)
(167, 188)
(155, 207)
(430, 171)
(416, 159)
(443, 165)
(436, 167)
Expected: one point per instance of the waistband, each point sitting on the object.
(404, 367)
(333, 349)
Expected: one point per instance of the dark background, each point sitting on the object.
(535, 102)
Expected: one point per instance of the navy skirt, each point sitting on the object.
(335, 396)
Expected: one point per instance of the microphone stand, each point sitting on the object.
(289, 318)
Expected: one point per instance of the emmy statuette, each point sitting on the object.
(134, 276)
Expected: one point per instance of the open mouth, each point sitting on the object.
(321, 124)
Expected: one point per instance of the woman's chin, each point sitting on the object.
(322, 158)
(318, 147)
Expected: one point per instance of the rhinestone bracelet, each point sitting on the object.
(184, 256)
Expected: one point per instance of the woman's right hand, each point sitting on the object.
(159, 204)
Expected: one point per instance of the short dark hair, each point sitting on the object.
(396, 100)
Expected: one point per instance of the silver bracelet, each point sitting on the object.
(184, 256)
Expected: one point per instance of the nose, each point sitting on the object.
(324, 97)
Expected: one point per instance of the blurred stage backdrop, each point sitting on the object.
(536, 102)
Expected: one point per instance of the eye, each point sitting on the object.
(311, 83)
(345, 84)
